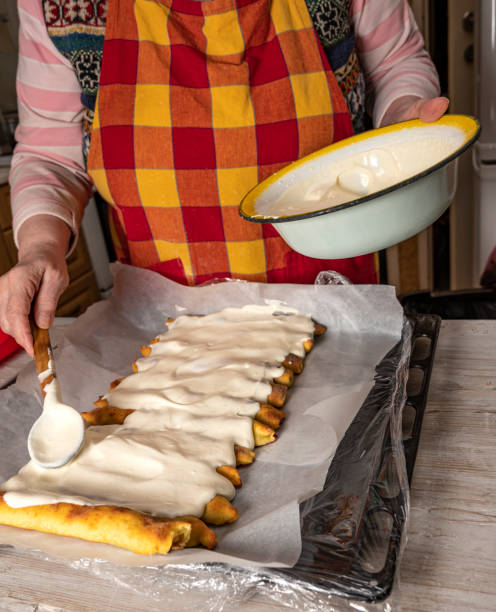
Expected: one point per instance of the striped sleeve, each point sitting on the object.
(392, 54)
(47, 174)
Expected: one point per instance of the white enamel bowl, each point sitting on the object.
(375, 221)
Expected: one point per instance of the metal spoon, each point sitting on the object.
(58, 433)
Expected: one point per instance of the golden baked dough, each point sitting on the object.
(121, 527)
(143, 533)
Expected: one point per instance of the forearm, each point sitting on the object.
(45, 188)
(392, 54)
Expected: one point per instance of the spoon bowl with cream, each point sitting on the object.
(366, 192)
(58, 433)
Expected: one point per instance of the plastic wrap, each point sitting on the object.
(352, 531)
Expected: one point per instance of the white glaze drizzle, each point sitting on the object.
(194, 398)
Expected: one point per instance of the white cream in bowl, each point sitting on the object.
(360, 169)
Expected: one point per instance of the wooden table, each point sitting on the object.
(450, 560)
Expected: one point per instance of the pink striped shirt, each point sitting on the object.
(48, 174)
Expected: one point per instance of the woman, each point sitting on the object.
(197, 102)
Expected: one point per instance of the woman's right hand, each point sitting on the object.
(36, 282)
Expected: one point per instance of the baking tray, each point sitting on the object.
(352, 537)
(351, 530)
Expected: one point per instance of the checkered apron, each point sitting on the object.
(197, 103)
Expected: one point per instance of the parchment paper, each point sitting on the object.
(364, 323)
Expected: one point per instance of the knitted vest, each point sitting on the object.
(77, 29)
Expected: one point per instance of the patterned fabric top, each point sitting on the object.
(332, 24)
(77, 28)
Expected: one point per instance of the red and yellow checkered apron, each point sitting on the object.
(198, 102)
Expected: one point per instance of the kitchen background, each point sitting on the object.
(448, 255)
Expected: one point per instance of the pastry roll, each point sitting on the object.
(163, 446)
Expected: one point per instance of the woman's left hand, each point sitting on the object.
(412, 107)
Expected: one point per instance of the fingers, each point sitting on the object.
(21, 331)
(431, 110)
(23, 336)
(52, 286)
(428, 109)
(412, 107)
(42, 281)
(17, 292)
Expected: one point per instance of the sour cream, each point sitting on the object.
(194, 398)
(361, 169)
(58, 433)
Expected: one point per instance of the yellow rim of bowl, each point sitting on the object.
(469, 125)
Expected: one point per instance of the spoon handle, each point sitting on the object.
(42, 355)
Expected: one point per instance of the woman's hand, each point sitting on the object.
(40, 276)
(412, 107)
